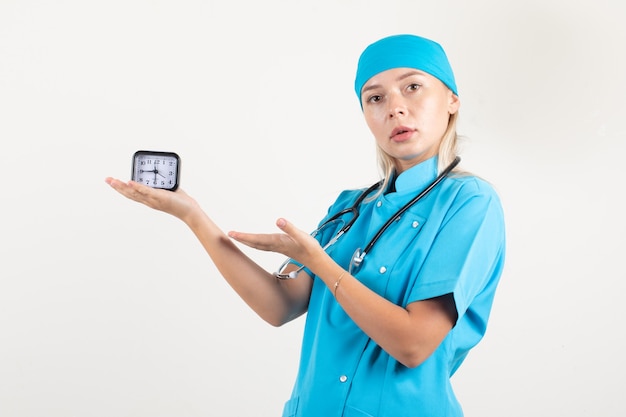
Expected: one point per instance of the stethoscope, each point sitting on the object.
(359, 255)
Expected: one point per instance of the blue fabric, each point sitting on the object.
(404, 51)
(453, 241)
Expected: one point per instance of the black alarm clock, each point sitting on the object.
(156, 169)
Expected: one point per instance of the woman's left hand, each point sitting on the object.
(294, 243)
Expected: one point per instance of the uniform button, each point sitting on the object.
(380, 203)
(415, 224)
(382, 270)
(343, 378)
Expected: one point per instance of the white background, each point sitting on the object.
(110, 309)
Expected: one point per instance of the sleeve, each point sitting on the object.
(467, 256)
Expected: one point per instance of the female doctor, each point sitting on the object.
(397, 287)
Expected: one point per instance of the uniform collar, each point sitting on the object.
(418, 176)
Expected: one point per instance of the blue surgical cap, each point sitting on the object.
(404, 51)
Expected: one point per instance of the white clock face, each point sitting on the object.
(156, 170)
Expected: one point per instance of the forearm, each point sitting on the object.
(409, 334)
(276, 301)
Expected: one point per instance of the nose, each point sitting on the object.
(397, 107)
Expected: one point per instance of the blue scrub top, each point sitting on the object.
(452, 241)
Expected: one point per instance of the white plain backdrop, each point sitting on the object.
(110, 309)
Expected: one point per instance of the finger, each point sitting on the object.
(117, 185)
(113, 182)
(253, 240)
(300, 240)
(290, 229)
(266, 242)
(135, 191)
(122, 187)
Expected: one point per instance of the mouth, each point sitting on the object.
(401, 133)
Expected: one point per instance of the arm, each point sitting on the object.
(276, 301)
(409, 334)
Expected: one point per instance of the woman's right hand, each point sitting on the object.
(177, 203)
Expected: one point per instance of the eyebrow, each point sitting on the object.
(400, 78)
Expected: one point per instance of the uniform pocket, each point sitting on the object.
(291, 407)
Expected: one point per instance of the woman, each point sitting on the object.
(387, 322)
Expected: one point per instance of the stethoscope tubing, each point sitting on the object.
(354, 209)
(359, 256)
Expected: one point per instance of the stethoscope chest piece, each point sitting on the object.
(356, 260)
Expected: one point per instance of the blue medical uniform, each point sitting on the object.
(451, 242)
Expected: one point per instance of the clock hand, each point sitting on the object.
(154, 170)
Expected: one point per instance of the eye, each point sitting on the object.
(413, 87)
(374, 98)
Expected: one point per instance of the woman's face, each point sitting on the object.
(408, 111)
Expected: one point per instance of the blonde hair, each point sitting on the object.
(448, 149)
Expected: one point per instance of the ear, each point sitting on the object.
(453, 102)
